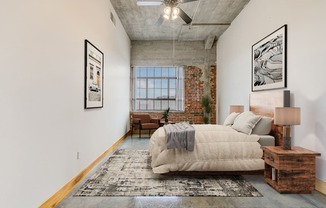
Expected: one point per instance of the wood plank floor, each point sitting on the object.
(271, 198)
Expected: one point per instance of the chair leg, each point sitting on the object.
(149, 132)
(139, 132)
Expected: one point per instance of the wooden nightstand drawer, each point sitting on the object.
(296, 162)
(270, 159)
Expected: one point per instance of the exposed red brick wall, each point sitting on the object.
(194, 91)
(213, 93)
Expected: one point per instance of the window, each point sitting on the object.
(157, 88)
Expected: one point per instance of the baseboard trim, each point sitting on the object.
(68, 187)
(321, 186)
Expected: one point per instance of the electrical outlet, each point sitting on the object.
(78, 155)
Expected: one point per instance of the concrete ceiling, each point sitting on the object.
(139, 21)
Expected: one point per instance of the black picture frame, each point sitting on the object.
(94, 74)
(269, 61)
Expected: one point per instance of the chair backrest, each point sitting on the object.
(145, 118)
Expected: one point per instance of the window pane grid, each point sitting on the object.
(157, 88)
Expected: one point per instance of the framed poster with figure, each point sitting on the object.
(94, 69)
(269, 61)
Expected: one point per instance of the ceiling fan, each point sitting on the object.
(171, 10)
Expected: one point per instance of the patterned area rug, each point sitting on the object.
(128, 173)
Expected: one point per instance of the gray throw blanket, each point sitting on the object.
(180, 135)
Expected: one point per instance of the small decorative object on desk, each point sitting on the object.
(165, 115)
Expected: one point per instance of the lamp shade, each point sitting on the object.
(236, 108)
(287, 116)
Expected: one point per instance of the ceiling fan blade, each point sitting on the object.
(209, 24)
(159, 21)
(186, 1)
(184, 16)
(149, 2)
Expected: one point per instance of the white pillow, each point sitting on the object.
(263, 127)
(245, 122)
(230, 119)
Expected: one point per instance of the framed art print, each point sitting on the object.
(269, 61)
(94, 69)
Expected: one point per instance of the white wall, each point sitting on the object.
(305, 69)
(42, 118)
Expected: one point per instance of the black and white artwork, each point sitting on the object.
(94, 68)
(269, 61)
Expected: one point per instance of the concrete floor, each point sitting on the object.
(271, 198)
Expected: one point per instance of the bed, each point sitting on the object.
(221, 147)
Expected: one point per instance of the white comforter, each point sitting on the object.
(217, 148)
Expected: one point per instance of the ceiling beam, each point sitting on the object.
(209, 41)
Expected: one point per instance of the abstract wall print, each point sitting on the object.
(94, 68)
(269, 61)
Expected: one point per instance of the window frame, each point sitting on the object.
(140, 81)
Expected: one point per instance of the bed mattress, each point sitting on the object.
(217, 148)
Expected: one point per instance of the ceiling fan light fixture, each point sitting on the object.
(166, 16)
(167, 12)
(173, 17)
(171, 12)
(175, 13)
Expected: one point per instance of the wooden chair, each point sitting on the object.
(144, 122)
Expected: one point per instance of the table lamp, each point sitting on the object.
(286, 117)
(236, 108)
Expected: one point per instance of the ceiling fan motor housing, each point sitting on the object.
(171, 3)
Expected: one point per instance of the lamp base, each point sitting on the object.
(286, 143)
(286, 137)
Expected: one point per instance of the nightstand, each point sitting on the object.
(290, 171)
